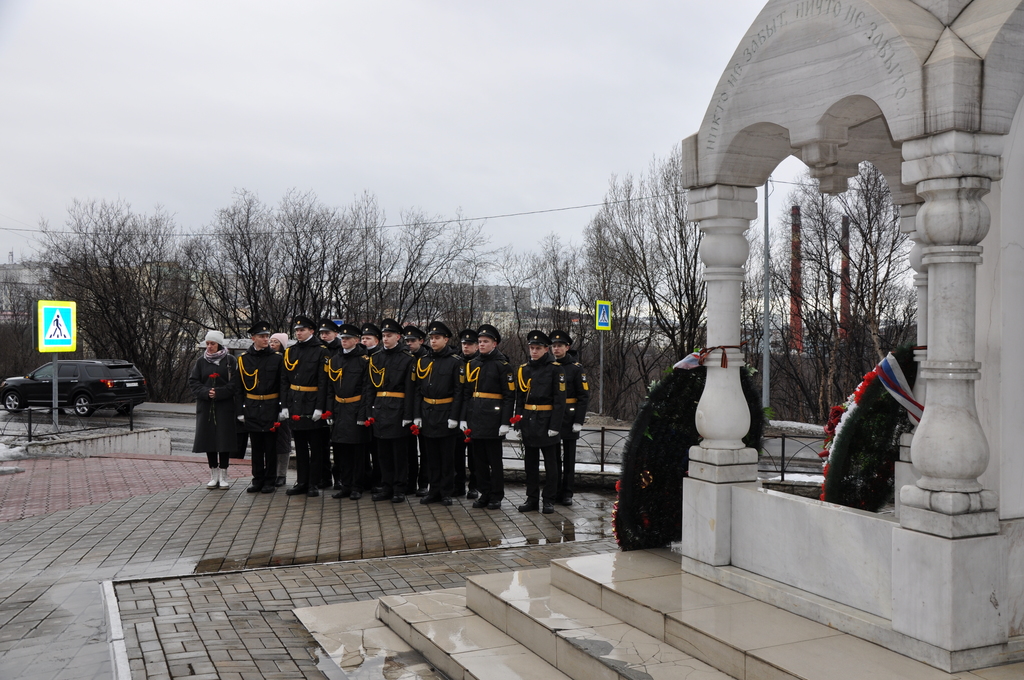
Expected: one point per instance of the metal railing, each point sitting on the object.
(36, 421)
(596, 445)
(796, 446)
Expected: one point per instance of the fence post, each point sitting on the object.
(29, 409)
(602, 448)
(782, 478)
(131, 418)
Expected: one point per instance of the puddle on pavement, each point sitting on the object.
(375, 664)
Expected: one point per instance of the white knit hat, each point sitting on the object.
(214, 336)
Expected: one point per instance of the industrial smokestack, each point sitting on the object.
(796, 324)
(844, 278)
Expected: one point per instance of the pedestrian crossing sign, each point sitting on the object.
(603, 316)
(57, 326)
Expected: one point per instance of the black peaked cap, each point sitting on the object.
(537, 338)
(390, 326)
(370, 329)
(350, 330)
(302, 321)
(468, 335)
(411, 331)
(560, 336)
(438, 328)
(328, 325)
(487, 330)
(260, 328)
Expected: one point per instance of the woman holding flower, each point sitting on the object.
(213, 385)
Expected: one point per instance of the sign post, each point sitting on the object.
(602, 322)
(57, 324)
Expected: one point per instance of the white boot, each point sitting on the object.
(214, 478)
(224, 481)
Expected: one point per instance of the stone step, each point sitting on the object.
(457, 642)
(742, 637)
(577, 638)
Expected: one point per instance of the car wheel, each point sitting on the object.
(12, 401)
(82, 405)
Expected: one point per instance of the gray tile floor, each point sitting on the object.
(51, 567)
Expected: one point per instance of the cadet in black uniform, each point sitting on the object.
(489, 402)
(258, 395)
(369, 337)
(305, 397)
(418, 476)
(577, 398)
(349, 374)
(331, 342)
(540, 407)
(391, 373)
(463, 456)
(435, 410)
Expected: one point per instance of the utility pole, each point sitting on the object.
(766, 330)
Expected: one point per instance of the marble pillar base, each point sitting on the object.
(723, 466)
(707, 521)
(949, 593)
(949, 526)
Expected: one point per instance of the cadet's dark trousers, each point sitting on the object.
(532, 466)
(393, 456)
(567, 456)
(439, 457)
(326, 470)
(462, 452)
(264, 457)
(371, 465)
(419, 475)
(349, 465)
(490, 476)
(309, 455)
(284, 448)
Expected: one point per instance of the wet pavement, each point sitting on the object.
(200, 617)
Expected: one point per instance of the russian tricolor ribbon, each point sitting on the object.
(891, 375)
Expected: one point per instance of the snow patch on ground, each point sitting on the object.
(799, 477)
(809, 428)
(12, 452)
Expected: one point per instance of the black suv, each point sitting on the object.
(84, 385)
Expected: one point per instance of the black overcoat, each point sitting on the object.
(258, 388)
(576, 387)
(215, 419)
(351, 393)
(540, 400)
(391, 377)
(489, 394)
(304, 386)
(438, 392)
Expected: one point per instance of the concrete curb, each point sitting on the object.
(155, 440)
(115, 632)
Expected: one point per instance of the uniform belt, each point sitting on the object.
(446, 400)
(347, 400)
(262, 397)
(487, 395)
(538, 407)
(399, 395)
(304, 388)
(570, 400)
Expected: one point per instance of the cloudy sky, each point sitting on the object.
(490, 108)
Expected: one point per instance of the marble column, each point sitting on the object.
(723, 213)
(949, 563)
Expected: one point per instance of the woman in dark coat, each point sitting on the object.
(212, 385)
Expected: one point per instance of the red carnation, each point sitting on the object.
(515, 419)
(215, 375)
(296, 417)
(467, 440)
(327, 414)
(369, 421)
(468, 431)
(618, 485)
(414, 429)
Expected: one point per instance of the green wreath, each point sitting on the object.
(860, 472)
(649, 509)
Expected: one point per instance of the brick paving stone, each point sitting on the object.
(157, 519)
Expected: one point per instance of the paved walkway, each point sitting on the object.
(52, 564)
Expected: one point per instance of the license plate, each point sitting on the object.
(134, 384)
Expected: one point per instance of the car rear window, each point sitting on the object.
(125, 372)
(96, 371)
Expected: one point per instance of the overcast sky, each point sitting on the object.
(485, 107)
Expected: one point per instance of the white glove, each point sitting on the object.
(513, 435)
(418, 422)
(577, 427)
(283, 415)
(316, 415)
(463, 425)
(552, 433)
(360, 422)
(503, 430)
(452, 424)
(406, 423)
(241, 419)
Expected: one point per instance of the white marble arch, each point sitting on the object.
(929, 91)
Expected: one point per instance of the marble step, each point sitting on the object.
(457, 642)
(739, 635)
(577, 638)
